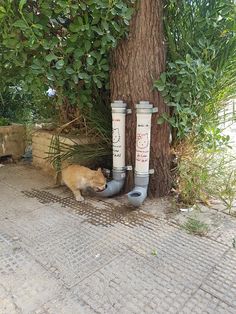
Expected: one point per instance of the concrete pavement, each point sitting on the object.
(61, 257)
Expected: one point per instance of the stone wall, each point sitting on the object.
(41, 140)
(12, 141)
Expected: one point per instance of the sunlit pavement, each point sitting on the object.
(59, 256)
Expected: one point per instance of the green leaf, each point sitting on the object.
(159, 85)
(90, 61)
(83, 6)
(78, 53)
(50, 57)
(75, 78)
(163, 77)
(154, 252)
(10, 42)
(2, 12)
(74, 27)
(160, 120)
(73, 38)
(2, 9)
(21, 4)
(69, 70)
(105, 25)
(37, 26)
(83, 76)
(20, 24)
(59, 65)
(87, 45)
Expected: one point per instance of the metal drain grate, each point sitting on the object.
(43, 197)
(107, 216)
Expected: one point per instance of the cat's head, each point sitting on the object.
(115, 135)
(98, 181)
(142, 140)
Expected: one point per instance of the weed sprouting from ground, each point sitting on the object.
(196, 227)
(203, 174)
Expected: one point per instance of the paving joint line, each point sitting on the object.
(213, 295)
(101, 267)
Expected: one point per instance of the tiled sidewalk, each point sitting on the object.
(61, 257)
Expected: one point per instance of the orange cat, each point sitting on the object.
(79, 178)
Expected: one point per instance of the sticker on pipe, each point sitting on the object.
(118, 139)
(143, 143)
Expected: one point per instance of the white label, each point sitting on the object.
(143, 134)
(118, 139)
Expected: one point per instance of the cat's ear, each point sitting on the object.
(99, 170)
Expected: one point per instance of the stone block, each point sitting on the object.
(12, 140)
(41, 140)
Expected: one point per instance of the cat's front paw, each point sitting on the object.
(79, 198)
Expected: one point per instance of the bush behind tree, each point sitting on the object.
(201, 66)
(60, 44)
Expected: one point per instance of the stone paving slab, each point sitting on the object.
(13, 203)
(65, 303)
(226, 231)
(15, 177)
(24, 283)
(168, 279)
(221, 283)
(131, 284)
(203, 302)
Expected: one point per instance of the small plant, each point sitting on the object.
(97, 125)
(154, 253)
(222, 182)
(234, 243)
(196, 227)
(191, 173)
(201, 174)
(227, 190)
(4, 121)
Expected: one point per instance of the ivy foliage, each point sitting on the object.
(201, 66)
(62, 44)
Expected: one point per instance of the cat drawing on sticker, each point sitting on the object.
(116, 135)
(142, 140)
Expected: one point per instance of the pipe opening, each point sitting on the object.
(99, 191)
(135, 194)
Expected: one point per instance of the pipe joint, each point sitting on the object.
(115, 186)
(141, 180)
(118, 175)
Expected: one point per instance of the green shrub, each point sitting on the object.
(19, 107)
(203, 174)
(63, 45)
(4, 121)
(201, 67)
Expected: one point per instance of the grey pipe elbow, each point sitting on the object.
(112, 188)
(115, 186)
(139, 193)
(137, 196)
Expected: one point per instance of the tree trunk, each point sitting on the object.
(135, 64)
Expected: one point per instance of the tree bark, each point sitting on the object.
(136, 62)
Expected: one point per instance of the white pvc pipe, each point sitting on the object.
(118, 143)
(144, 112)
(118, 135)
(143, 134)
